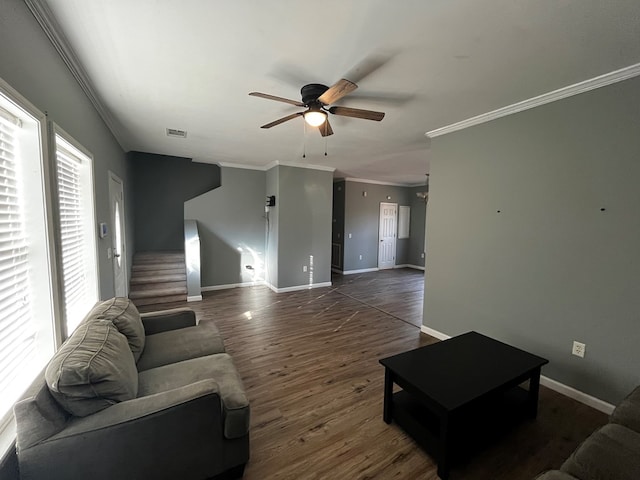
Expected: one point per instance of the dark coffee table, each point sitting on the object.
(454, 390)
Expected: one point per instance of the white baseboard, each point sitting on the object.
(434, 333)
(211, 288)
(362, 270)
(415, 267)
(296, 288)
(194, 298)
(554, 385)
(581, 397)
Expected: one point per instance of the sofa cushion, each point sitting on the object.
(628, 412)
(93, 369)
(182, 344)
(125, 316)
(219, 368)
(610, 453)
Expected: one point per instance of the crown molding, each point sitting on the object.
(279, 163)
(271, 165)
(376, 182)
(40, 10)
(243, 166)
(565, 92)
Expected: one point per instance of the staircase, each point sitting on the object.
(158, 277)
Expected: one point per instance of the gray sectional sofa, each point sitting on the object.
(130, 396)
(610, 453)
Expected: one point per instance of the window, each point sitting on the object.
(27, 331)
(76, 230)
(404, 220)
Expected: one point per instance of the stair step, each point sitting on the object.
(145, 267)
(158, 290)
(158, 277)
(158, 257)
(159, 300)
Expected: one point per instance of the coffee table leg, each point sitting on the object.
(388, 393)
(534, 390)
(444, 460)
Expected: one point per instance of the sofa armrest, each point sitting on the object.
(131, 410)
(173, 434)
(165, 320)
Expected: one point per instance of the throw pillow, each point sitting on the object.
(92, 370)
(125, 316)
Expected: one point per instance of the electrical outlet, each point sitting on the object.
(422, 255)
(360, 257)
(578, 349)
(304, 268)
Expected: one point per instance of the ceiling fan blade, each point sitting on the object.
(368, 65)
(277, 99)
(336, 91)
(325, 128)
(357, 113)
(282, 120)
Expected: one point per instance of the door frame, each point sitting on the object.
(123, 247)
(395, 234)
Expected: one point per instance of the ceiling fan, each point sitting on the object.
(317, 98)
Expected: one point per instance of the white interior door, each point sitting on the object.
(387, 236)
(117, 234)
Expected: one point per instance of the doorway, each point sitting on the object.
(117, 234)
(387, 235)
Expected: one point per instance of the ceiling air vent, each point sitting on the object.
(172, 132)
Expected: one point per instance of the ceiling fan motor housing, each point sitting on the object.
(311, 92)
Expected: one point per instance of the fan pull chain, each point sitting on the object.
(325, 141)
(304, 139)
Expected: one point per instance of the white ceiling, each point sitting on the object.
(189, 65)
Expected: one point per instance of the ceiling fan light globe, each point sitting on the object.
(315, 118)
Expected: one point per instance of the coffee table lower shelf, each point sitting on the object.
(471, 429)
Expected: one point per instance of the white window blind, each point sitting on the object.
(17, 330)
(77, 239)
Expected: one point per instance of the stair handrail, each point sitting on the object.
(192, 260)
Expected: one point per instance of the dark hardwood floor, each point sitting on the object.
(309, 361)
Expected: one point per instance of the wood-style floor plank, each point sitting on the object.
(309, 362)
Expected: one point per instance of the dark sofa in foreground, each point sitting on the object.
(610, 453)
(132, 396)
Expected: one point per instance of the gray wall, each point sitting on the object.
(337, 230)
(271, 240)
(303, 205)
(31, 65)
(162, 184)
(231, 225)
(551, 267)
(416, 251)
(361, 220)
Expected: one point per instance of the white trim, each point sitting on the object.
(277, 163)
(568, 91)
(194, 298)
(52, 29)
(434, 333)
(408, 265)
(377, 182)
(581, 397)
(362, 270)
(242, 166)
(298, 287)
(554, 385)
(212, 288)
